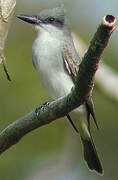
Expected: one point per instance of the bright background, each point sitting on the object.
(54, 152)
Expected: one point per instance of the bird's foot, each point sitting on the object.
(41, 108)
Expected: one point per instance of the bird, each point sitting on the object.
(57, 62)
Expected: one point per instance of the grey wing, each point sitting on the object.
(71, 66)
(71, 62)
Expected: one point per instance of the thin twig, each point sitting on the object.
(6, 11)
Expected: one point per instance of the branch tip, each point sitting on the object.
(109, 20)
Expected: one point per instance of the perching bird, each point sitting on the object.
(56, 61)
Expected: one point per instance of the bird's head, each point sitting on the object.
(48, 19)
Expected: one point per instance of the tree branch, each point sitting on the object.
(106, 78)
(79, 94)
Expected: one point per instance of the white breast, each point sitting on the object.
(48, 61)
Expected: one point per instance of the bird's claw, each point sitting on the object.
(41, 107)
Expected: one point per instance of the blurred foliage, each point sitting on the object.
(25, 92)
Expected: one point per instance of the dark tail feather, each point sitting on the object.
(70, 120)
(90, 111)
(90, 156)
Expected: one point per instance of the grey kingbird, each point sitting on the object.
(56, 60)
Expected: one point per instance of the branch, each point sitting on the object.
(106, 78)
(79, 94)
(6, 11)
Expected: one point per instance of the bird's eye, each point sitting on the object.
(51, 19)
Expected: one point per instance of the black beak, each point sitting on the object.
(32, 19)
